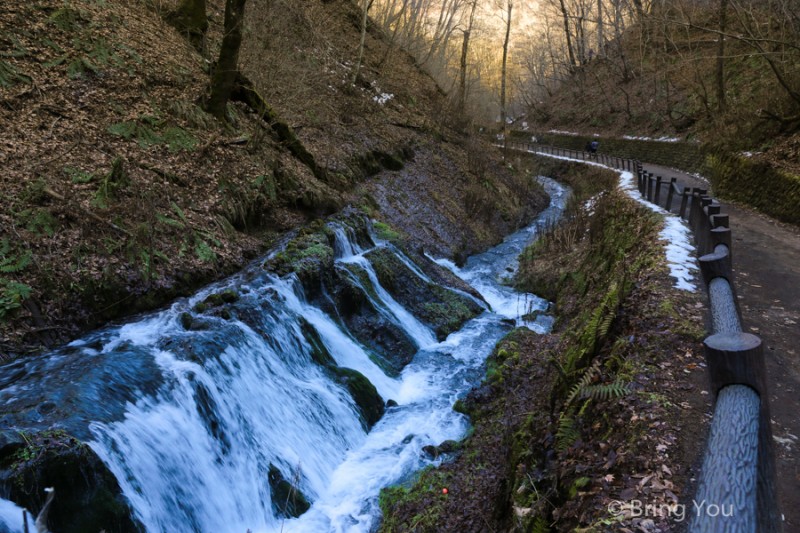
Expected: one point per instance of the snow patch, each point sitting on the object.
(663, 139)
(561, 132)
(676, 235)
(382, 98)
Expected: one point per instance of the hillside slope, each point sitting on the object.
(661, 79)
(120, 192)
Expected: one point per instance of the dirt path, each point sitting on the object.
(766, 259)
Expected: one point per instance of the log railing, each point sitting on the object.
(736, 490)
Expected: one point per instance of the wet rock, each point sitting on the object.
(446, 448)
(287, 500)
(319, 352)
(309, 255)
(370, 404)
(364, 393)
(186, 320)
(388, 344)
(439, 307)
(87, 496)
(74, 387)
(391, 403)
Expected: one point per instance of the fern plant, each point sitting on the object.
(12, 293)
(567, 433)
(10, 263)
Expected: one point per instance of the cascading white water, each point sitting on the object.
(421, 334)
(243, 394)
(269, 404)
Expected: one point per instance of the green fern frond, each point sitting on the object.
(587, 377)
(9, 263)
(605, 391)
(567, 433)
(178, 211)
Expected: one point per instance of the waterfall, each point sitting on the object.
(193, 408)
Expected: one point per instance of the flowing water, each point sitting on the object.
(190, 421)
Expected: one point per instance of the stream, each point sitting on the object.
(190, 421)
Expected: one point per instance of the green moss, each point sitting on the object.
(186, 320)
(423, 494)
(449, 312)
(755, 183)
(437, 306)
(385, 232)
(370, 404)
(319, 352)
(306, 255)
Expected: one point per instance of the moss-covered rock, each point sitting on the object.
(441, 308)
(308, 255)
(445, 448)
(287, 500)
(350, 300)
(87, 496)
(370, 404)
(319, 352)
(365, 395)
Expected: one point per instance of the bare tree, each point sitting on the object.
(365, 5)
(720, 70)
(226, 71)
(462, 74)
(567, 34)
(510, 5)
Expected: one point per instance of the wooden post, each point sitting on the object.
(671, 192)
(658, 190)
(703, 225)
(684, 200)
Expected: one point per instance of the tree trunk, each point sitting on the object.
(364, 21)
(224, 78)
(639, 9)
(600, 37)
(720, 74)
(462, 74)
(190, 19)
(503, 74)
(565, 14)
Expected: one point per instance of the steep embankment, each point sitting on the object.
(606, 409)
(120, 192)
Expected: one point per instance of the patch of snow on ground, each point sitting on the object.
(678, 249)
(383, 98)
(560, 132)
(589, 204)
(664, 139)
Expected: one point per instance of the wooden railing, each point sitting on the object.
(736, 490)
(603, 159)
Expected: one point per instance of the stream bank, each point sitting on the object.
(337, 357)
(607, 408)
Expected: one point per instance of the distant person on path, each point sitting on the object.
(593, 146)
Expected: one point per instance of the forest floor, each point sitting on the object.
(767, 277)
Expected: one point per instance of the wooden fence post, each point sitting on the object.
(671, 192)
(684, 200)
(658, 190)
